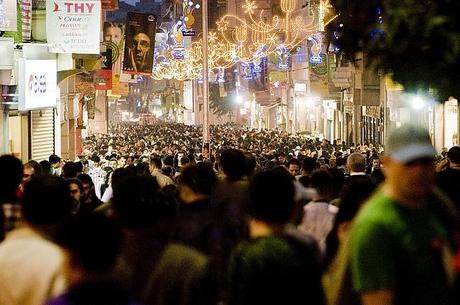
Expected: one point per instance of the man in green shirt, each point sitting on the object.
(400, 246)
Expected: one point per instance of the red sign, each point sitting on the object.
(103, 79)
(109, 5)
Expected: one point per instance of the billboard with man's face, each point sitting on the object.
(139, 43)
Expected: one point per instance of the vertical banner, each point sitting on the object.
(8, 15)
(317, 57)
(113, 39)
(26, 18)
(139, 44)
(73, 26)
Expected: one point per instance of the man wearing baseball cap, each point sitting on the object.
(401, 243)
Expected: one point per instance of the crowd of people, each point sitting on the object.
(145, 216)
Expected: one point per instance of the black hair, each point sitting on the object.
(294, 162)
(75, 181)
(93, 241)
(233, 164)
(156, 161)
(454, 154)
(46, 200)
(69, 170)
(200, 178)
(272, 196)
(322, 181)
(46, 167)
(309, 164)
(85, 178)
(54, 159)
(11, 171)
(35, 165)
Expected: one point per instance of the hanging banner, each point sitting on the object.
(73, 26)
(109, 5)
(113, 38)
(317, 53)
(8, 15)
(26, 19)
(139, 44)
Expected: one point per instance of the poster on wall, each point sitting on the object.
(73, 26)
(139, 43)
(8, 15)
(37, 88)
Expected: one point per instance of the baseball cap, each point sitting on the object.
(408, 143)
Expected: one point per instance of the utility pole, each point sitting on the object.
(204, 8)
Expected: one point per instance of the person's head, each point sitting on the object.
(294, 167)
(308, 166)
(233, 164)
(87, 187)
(272, 197)
(196, 182)
(454, 155)
(91, 244)
(113, 32)
(251, 164)
(69, 170)
(141, 48)
(322, 181)
(356, 163)
(76, 189)
(54, 160)
(46, 167)
(129, 160)
(138, 202)
(408, 164)
(46, 201)
(155, 163)
(11, 172)
(28, 172)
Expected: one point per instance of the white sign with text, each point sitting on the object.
(73, 26)
(37, 88)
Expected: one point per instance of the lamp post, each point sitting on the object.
(204, 6)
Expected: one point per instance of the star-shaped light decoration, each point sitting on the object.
(222, 25)
(249, 7)
(212, 37)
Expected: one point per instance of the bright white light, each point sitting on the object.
(239, 99)
(186, 18)
(180, 22)
(197, 6)
(418, 102)
(190, 3)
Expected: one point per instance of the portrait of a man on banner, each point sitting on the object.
(139, 43)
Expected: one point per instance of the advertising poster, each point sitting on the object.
(317, 57)
(73, 26)
(8, 15)
(26, 19)
(109, 5)
(139, 43)
(103, 79)
(113, 39)
(37, 89)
